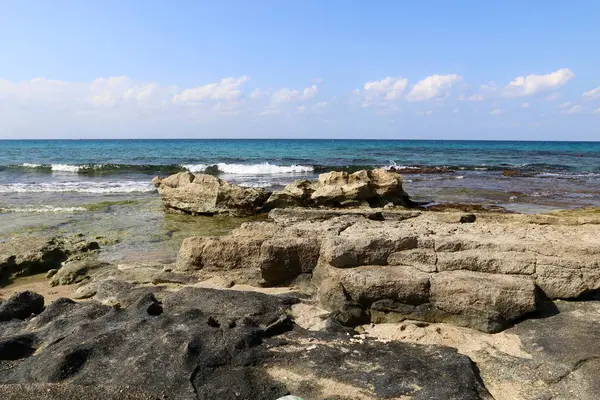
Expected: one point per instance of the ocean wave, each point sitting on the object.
(101, 169)
(79, 187)
(41, 209)
(268, 168)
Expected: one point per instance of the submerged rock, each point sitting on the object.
(29, 255)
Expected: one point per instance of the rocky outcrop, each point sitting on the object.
(433, 267)
(211, 344)
(202, 194)
(29, 255)
(371, 188)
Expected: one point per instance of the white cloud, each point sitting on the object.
(40, 91)
(433, 87)
(428, 112)
(573, 110)
(597, 111)
(565, 104)
(287, 95)
(496, 111)
(310, 92)
(257, 94)
(227, 89)
(301, 109)
(320, 104)
(390, 88)
(525, 105)
(553, 97)
(593, 94)
(533, 84)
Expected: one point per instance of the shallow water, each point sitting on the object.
(103, 187)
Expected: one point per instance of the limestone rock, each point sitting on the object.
(227, 252)
(202, 194)
(282, 259)
(29, 255)
(487, 302)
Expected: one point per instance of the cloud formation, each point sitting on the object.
(593, 94)
(227, 89)
(533, 84)
(433, 87)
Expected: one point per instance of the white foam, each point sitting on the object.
(195, 167)
(30, 165)
(252, 169)
(65, 168)
(78, 187)
(41, 209)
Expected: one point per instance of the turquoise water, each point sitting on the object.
(64, 173)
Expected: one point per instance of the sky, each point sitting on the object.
(514, 70)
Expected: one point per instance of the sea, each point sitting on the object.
(103, 187)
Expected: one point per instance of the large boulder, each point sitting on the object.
(202, 194)
(374, 188)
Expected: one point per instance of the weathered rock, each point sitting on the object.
(374, 188)
(227, 252)
(75, 271)
(283, 259)
(203, 194)
(296, 194)
(346, 251)
(21, 306)
(29, 255)
(488, 302)
(211, 344)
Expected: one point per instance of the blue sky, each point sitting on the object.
(354, 69)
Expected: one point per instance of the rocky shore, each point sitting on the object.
(347, 290)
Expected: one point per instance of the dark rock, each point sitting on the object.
(211, 344)
(468, 218)
(21, 306)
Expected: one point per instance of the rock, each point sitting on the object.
(468, 218)
(173, 277)
(21, 306)
(51, 273)
(75, 271)
(283, 259)
(202, 194)
(488, 302)
(365, 188)
(30, 255)
(228, 252)
(212, 344)
(346, 251)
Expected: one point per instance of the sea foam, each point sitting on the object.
(78, 187)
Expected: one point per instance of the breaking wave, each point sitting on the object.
(79, 187)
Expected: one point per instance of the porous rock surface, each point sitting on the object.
(212, 344)
(404, 264)
(202, 194)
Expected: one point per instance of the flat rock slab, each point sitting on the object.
(213, 344)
